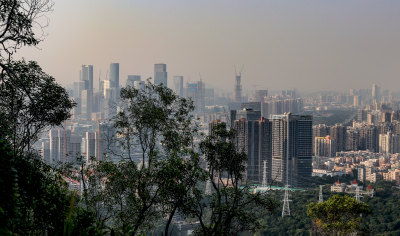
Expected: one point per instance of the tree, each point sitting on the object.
(339, 215)
(158, 167)
(26, 111)
(18, 21)
(230, 208)
(35, 199)
(30, 99)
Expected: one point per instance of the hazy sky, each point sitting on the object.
(282, 44)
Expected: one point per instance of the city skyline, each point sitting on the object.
(305, 45)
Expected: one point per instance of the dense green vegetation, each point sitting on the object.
(383, 220)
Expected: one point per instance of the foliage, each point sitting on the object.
(137, 192)
(35, 199)
(338, 215)
(30, 104)
(20, 21)
(229, 209)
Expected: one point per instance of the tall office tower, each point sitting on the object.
(86, 104)
(90, 146)
(178, 85)
(259, 95)
(324, 147)
(195, 91)
(352, 139)
(160, 74)
(114, 75)
(292, 149)
(86, 74)
(54, 146)
(375, 92)
(238, 87)
(130, 81)
(46, 152)
(254, 138)
(338, 134)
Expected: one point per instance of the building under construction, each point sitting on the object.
(238, 86)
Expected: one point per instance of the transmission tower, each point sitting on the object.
(321, 198)
(286, 208)
(264, 181)
(358, 196)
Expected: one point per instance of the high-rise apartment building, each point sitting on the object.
(254, 138)
(389, 143)
(178, 85)
(160, 74)
(352, 139)
(324, 147)
(338, 134)
(292, 149)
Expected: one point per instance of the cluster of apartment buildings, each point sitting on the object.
(366, 166)
(279, 149)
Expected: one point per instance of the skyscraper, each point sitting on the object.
(292, 149)
(54, 146)
(90, 145)
(338, 134)
(254, 138)
(160, 74)
(114, 75)
(86, 103)
(178, 85)
(375, 92)
(238, 87)
(87, 74)
(130, 81)
(195, 91)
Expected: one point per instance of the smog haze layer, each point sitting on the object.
(308, 45)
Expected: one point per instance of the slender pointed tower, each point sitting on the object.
(238, 86)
